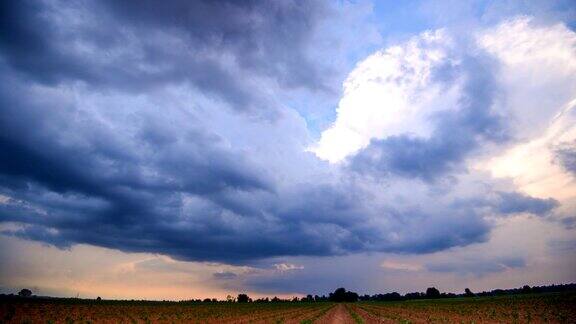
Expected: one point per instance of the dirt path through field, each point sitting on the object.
(337, 315)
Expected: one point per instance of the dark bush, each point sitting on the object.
(243, 298)
(25, 293)
(526, 289)
(341, 295)
(432, 292)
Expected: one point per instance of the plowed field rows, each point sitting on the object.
(537, 308)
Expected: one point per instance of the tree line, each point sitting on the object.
(342, 295)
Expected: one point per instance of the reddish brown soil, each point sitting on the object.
(54, 312)
(369, 318)
(535, 308)
(337, 315)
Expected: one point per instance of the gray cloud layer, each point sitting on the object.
(136, 46)
(566, 155)
(96, 150)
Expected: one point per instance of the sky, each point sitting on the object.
(190, 149)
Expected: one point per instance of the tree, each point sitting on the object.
(389, 296)
(25, 293)
(394, 296)
(341, 295)
(432, 292)
(526, 289)
(415, 295)
(468, 293)
(337, 295)
(98, 298)
(243, 298)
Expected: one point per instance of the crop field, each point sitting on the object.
(148, 312)
(537, 308)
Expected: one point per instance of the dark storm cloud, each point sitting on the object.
(569, 222)
(32, 139)
(74, 182)
(566, 156)
(347, 221)
(478, 267)
(141, 219)
(505, 203)
(445, 228)
(558, 245)
(268, 36)
(142, 186)
(95, 151)
(456, 134)
(224, 275)
(139, 186)
(513, 202)
(137, 46)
